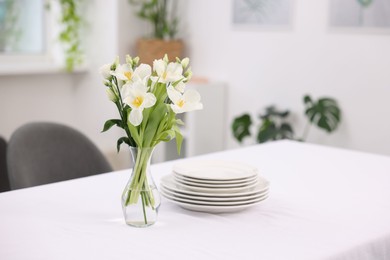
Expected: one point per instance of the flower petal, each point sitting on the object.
(125, 90)
(191, 96)
(159, 67)
(139, 88)
(142, 71)
(174, 72)
(180, 86)
(135, 117)
(176, 109)
(105, 71)
(173, 94)
(149, 100)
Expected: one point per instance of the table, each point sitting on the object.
(325, 203)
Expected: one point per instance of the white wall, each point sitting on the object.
(261, 67)
(76, 99)
(265, 66)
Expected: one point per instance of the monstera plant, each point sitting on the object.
(323, 113)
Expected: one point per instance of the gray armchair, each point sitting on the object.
(41, 153)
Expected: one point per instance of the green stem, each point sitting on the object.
(143, 206)
(120, 107)
(139, 182)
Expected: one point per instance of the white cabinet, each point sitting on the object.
(205, 130)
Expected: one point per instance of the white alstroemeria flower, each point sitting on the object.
(125, 72)
(105, 71)
(138, 99)
(188, 101)
(167, 72)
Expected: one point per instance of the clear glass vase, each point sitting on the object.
(140, 199)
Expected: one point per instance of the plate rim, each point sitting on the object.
(198, 163)
(216, 186)
(201, 203)
(214, 199)
(213, 209)
(168, 178)
(209, 181)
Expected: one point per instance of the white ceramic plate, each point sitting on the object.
(213, 182)
(215, 170)
(211, 185)
(213, 203)
(205, 181)
(213, 199)
(217, 190)
(169, 183)
(216, 209)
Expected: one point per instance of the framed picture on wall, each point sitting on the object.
(262, 13)
(360, 15)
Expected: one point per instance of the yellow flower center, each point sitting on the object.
(128, 75)
(137, 102)
(180, 103)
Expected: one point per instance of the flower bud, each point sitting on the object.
(166, 59)
(111, 95)
(135, 60)
(185, 62)
(105, 71)
(129, 60)
(115, 64)
(188, 74)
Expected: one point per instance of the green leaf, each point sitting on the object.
(307, 99)
(272, 112)
(121, 141)
(267, 131)
(156, 117)
(179, 139)
(240, 127)
(134, 134)
(110, 123)
(324, 113)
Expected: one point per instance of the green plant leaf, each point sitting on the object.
(121, 141)
(271, 112)
(267, 131)
(285, 131)
(179, 138)
(110, 123)
(134, 134)
(307, 99)
(324, 113)
(156, 116)
(240, 127)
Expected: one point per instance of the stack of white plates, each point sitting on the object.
(214, 186)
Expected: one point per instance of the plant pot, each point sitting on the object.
(149, 50)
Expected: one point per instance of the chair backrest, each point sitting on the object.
(4, 182)
(41, 153)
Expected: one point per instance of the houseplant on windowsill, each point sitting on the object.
(162, 16)
(148, 100)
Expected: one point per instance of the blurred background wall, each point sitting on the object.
(260, 67)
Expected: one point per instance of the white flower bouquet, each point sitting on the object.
(148, 101)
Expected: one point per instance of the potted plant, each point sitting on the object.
(324, 113)
(161, 14)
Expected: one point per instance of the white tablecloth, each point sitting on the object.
(325, 203)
